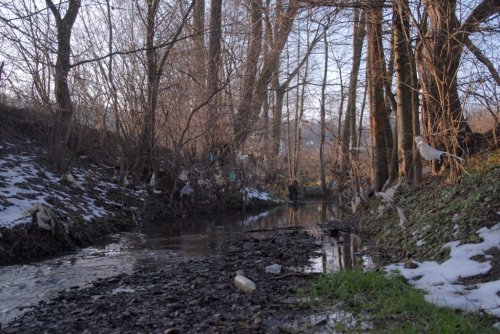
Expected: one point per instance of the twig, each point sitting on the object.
(275, 229)
(304, 275)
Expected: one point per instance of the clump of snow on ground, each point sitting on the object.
(442, 281)
(254, 193)
(25, 182)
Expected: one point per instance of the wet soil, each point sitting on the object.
(195, 296)
(493, 256)
(27, 242)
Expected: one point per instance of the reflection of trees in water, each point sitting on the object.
(339, 253)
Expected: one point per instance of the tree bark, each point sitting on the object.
(402, 53)
(442, 46)
(348, 140)
(248, 114)
(155, 63)
(214, 63)
(324, 189)
(250, 73)
(379, 122)
(58, 154)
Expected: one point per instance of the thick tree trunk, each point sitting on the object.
(58, 152)
(148, 131)
(199, 57)
(379, 122)
(248, 115)
(214, 62)
(402, 53)
(439, 60)
(445, 123)
(155, 63)
(348, 140)
(250, 73)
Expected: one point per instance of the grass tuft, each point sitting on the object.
(393, 306)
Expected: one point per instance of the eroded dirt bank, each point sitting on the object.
(190, 297)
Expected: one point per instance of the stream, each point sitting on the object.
(158, 247)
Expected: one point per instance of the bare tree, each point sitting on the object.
(250, 72)
(214, 63)
(402, 55)
(247, 113)
(58, 152)
(443, 40)
(155, 60)
(349, 130)
(378, 116)
(324, 188)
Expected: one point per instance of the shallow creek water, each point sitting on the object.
(158, 247)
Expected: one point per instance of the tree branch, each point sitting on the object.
(482, 11)
(482, 58)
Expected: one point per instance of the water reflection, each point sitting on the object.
(339, 253)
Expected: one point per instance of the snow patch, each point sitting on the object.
(25, 182)
(442, 281)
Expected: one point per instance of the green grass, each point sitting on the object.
(390, 305)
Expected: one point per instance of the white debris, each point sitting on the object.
(70, 178)
(388, 195)
(44, 216)
(154, 180)
(273, 269)
(355, 204)
(183, 176)
(403, 222)
(421, 243)
(430, 153)
(244, 284)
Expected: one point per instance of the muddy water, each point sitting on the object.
(158, 247)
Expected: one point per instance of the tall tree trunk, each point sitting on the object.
(379, 122)
(348, 139)
(324, 189)
(248, 115)
(279, 94)
(58, 153)
(214, 63)
(417, 159)
(402, 55)
(298, 120)
(445, 124)
(442, 46)
(391, 133)
(359, 139)
(148, 131)
(199, 58)
(155, 63)
(250, 73)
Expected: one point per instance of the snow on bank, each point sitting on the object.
(442, 281)
(249, 193)
(25, 182)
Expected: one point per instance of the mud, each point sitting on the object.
(195, 296)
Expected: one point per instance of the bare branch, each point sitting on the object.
(482, 58)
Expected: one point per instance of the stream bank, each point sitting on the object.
(190, 297)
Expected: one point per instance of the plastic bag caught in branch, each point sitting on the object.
(429, 153)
